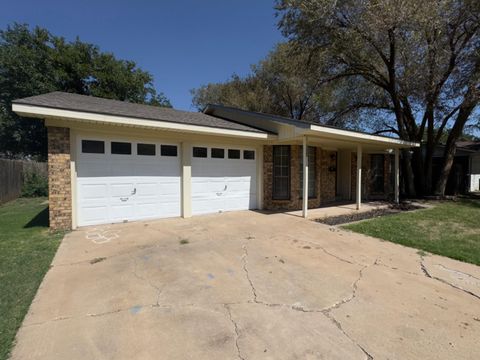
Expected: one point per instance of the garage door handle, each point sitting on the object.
(134, 191)
(221, 192)
(124, 199)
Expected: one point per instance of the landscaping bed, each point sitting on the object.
(357, 216)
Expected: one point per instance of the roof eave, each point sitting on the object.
(43, 112)
(347, 135)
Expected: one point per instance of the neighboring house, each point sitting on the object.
(465, 174)
(113, 161)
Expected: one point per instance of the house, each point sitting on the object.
(113, 161)
(465, 173)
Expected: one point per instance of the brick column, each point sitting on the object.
(59, 180)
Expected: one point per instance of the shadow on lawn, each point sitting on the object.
(40, 220)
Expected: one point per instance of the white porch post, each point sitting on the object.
(359, 177)
(397, 176)
(305, 178)
(186, 185)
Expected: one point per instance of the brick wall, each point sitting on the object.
(367, 192)
(295, 201)
(328, 176)
(59, 180)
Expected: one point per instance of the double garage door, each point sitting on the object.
(123, 180)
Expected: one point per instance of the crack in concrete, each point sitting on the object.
(298, 307)
(134, 273)
(458, 271)
(329, 253)
(430, 276)
(245, 261)
(237, 332)
(339, 326)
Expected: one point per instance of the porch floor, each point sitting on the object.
(340, 208)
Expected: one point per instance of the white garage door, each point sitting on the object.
(223, 179)
(119, 180)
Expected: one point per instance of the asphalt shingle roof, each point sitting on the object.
(75, 102)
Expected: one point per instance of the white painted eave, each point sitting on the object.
(346, 135)
(80, 116)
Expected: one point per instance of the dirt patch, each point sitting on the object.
(357, 216)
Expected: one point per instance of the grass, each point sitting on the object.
(450, 229)
(26, 251)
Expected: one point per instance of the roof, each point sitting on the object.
(84, 103)
(469, 145)
(264, 121)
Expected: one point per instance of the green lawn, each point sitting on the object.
(451, 229)
(26, 251)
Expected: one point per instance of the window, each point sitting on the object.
(200, 152)
(249, 154)
(168, 150)
(218, 153)
(93, 147)
(311, 153)
(121, 148)
(378, 173)
(233, 154)
(281, 172)
(146, 149)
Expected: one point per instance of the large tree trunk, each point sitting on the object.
(409, 177)
(451, 145)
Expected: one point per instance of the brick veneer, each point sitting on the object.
(367, 192)
(59, 180)
(324, 180)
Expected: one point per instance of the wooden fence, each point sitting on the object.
(12, 174)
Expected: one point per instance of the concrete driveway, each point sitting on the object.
(247, 285)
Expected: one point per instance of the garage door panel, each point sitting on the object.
(121, 189)
(91, 215)
(120, 212)
(93, 191)
(205, 205)
(115, 188)
(223, 184)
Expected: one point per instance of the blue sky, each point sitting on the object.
(183, 43)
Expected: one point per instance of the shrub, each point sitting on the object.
(34, 185)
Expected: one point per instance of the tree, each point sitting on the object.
(288, 82)
(34, 62)
(420, 58)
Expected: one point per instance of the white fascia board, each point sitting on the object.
(45, 112)
(362, 137)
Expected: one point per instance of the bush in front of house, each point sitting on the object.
(34, 185)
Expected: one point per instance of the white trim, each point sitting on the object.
(186, 180)
(259, 160)
(43, 112)
(360, 136)
(73, 177)
(305, 178)
(359, 177)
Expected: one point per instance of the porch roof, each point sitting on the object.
(290, 130)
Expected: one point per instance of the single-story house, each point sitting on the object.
(112, 161)
(465, 174)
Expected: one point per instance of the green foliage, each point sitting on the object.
(288, 82)
(26, 251)
(34, 185)
(34, 62)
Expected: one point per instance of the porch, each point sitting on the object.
(330, 174)
(340, 208)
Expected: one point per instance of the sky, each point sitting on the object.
(182, 43)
